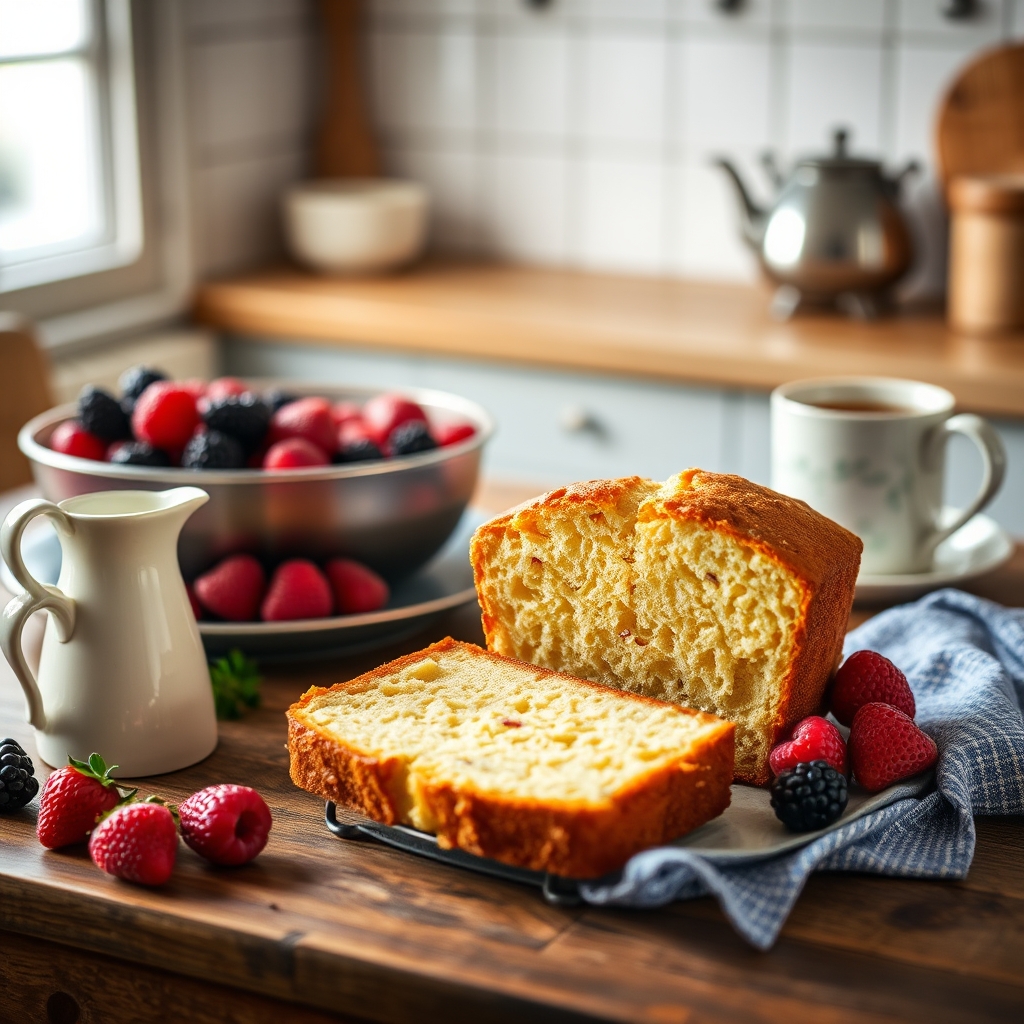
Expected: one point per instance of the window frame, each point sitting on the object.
(151, 279)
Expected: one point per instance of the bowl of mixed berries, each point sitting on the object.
(292, 470)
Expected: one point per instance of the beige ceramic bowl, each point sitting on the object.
(355, 225)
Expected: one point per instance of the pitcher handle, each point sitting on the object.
(993, 457)
(37, 597)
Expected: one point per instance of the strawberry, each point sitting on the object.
(298, 590)
(71, 438)
(813, 739)
(868, 678)
(74, 799)
(225, 824)
(357, 588)
(138, 843)
(343, 412)
(195, 387)
(383, 413)
(165, 416)
(886, 746)
(452, 433)
(233, 588)
(294, 453)
(193, 601)
(308, 418)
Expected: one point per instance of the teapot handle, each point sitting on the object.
(37, 597)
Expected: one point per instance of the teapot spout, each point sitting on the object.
(752, 217)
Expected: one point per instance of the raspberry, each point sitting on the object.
(308, 418)
(138, 843)
(410, 438)
(452, 433)
(135, 380)
(244, 417)
(225, 387)
(298, 590)
(212, 450)
(101, 414)
(18, 784)
(294, 453)
(233, 589)
(357, 588)
(71, 438)
(868, 678)
(74, 798)
(886, 746)
(225, 824)
(383, 413)
(809, 796)
(165, 416)
(355, 445)
(345, 412)
(813, 739)
(137, 453)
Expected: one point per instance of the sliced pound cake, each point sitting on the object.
(708, 591)
(511, 761)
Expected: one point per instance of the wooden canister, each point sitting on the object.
(986, 253)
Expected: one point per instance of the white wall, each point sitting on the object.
(252, 70)
(580, 134)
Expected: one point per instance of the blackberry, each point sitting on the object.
(810, 796)
(18, 784)
(276, 398)
(101, 414)
(134, 381)
(413, 436)
(138, 453)
(246, 418)
(213, 450)
(360, 450)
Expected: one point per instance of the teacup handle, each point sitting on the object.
(37, 597)
(993, 457)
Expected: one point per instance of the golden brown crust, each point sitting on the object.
(575, 841)
(823, 555)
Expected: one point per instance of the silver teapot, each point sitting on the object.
(835, 234)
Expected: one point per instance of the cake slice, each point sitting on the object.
(708, 591)
(511, 761)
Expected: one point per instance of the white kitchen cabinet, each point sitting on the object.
(555, 426)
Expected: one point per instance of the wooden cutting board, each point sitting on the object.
(980, 127)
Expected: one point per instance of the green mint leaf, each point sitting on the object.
(236, 684)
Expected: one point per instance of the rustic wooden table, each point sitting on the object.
(318, 929)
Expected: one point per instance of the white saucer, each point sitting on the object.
(975, 549)
(445, 582)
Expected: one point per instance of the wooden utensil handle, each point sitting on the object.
(345, 146)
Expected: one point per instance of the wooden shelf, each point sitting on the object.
(666, 329)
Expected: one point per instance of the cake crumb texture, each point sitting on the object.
(512, 761)
(708, 591)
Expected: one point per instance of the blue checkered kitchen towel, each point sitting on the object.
(964, 658)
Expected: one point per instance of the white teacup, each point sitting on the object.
(870, 453)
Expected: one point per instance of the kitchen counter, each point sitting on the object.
(664, 329)
(318, 929)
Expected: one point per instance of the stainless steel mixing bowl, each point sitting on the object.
(391, 514)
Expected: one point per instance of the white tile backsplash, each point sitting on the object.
(625, 87)
(580, 133)
(623, 215)
(724, 88)
(832, 86)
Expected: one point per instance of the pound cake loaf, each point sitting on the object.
(709, 591)
(511, 761)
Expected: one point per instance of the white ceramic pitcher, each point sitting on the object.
(122, 670)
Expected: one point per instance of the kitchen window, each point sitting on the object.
(70, 200)
(95, 221)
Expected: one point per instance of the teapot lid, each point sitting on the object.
(840, 158)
